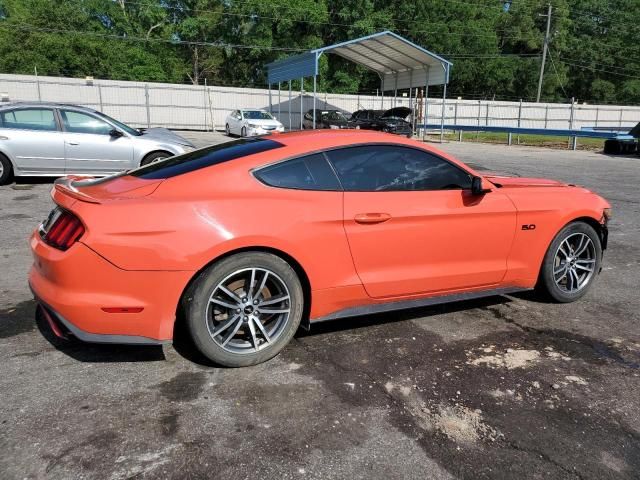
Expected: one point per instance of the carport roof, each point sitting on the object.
(399, 62)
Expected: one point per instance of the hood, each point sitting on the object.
(165, 135)
(521, 182)
(397, 112)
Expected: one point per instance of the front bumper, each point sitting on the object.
(254, 132)
(78, 288)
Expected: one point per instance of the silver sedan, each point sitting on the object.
(46, 139)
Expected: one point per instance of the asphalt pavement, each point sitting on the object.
(504, 387)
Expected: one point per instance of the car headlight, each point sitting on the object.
(253, 125)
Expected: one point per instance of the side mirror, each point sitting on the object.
(115, 133)
(476, 186)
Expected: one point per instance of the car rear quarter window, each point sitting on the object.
(29, 119)
(311, 172)
(205, 157)
(374, 168)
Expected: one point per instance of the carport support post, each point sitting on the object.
(301, 100)
(426, 106)
(270, 104)
(314, 101)
(289, 108)
(382, 92)
(279, 103)
(395, 91)
(444, 97)
(413, 116)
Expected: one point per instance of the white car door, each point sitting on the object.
(237, 122)
(31, 137)
(89, 146)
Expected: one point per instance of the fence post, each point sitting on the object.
(35, 69)
(204, 105)
(213, 121)
(620, 119)
(573, 140)
(597, 115)
(519, 120)
(146, 97)
(100, 96)
(479, 113)
(546, 115)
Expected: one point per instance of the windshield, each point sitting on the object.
(256, 115)
(335, 115)
(120, 125)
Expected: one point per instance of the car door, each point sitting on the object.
(32, 138)
(236, 122)
(89, 146)
(414, 226)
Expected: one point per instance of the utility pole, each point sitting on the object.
(544, 52)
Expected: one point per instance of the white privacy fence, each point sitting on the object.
(206, 107)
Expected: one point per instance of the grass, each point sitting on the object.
(532, 140)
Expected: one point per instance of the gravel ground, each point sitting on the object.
(504, 387)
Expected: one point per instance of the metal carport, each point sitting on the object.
(399, 63)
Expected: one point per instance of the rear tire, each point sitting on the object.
(155, 157)
(224, 309)
(571, 263)
(6, 170)
(227, 130)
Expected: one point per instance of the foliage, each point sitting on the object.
(495, 45)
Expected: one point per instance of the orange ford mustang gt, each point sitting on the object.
(252, 238)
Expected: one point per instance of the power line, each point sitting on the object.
(589, 67)
(557, 75)
(31, 28)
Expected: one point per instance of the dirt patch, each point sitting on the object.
(510, 359)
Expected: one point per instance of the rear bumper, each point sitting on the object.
(74, 287)
(63, 328)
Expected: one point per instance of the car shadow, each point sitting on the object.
(364, 321)
(25, 181)
(184, 346)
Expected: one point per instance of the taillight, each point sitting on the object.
(64, 232)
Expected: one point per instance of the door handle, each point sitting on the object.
(369, 218)
(72, 143)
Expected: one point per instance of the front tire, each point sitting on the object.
(243, 132)
(571, 263)
(6, 170)
(244, 309)
(154, 157)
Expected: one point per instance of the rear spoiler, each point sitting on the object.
(65, 186)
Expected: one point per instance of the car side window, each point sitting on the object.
(394, 168)
(311, 172)
(78, 122)
(29, 119)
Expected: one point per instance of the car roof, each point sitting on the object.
(8, 105)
